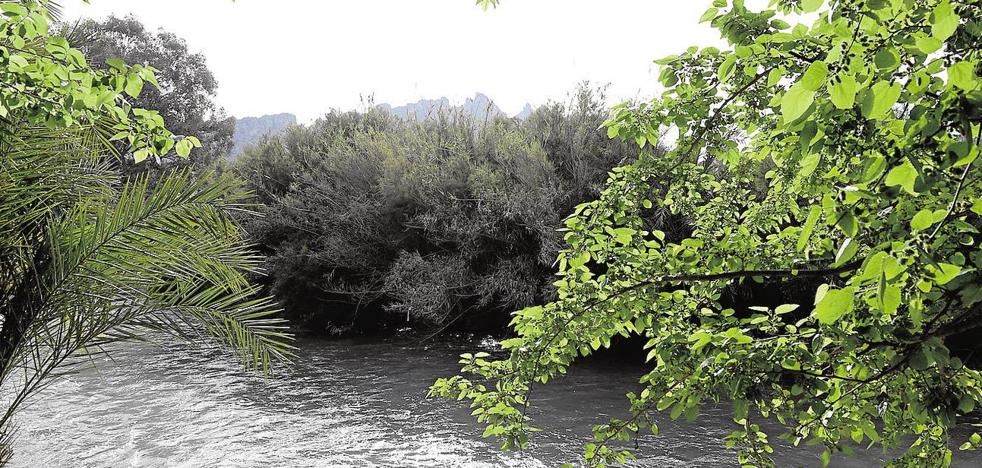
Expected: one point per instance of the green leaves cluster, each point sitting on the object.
(46, 81)
(832, 162)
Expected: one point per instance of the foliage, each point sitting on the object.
(185, 97)
(84, 261)
(432, 221)
(835, 157)
(48, 83)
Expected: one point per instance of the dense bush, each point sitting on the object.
(372, 220)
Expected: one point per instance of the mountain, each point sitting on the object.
(525, 113)
(419, 110)
(480, 107)
(249, 130)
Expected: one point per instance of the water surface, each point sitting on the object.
(344, 403)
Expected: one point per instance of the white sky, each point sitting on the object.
(309, 56)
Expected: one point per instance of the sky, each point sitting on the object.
(310, 56)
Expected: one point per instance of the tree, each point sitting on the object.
(830, 165)
(185, 97)
(85, 261)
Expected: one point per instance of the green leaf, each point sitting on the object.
(806, 230)
(820, 293)
(700, 340)
(835, 304)
(183, 148)
(962, 75)
(134, 85)
(667, 59)
(774, 76)
(847, 224)
(726, 68)
(809, 163)
(903, 175)
(785, 308)
(790, 364)
(709, 15)
(667, 77)
(920, 360)
(809, 6)
(116, 63)
(880, 99)
(796, 102)
(968, 158)
(580, 259)
(886, 59)
(814, 78)
(140, 155)
(780, 24)
(532, 312)
(944, 272)
(826, 457)
(611, 131)
(740, 409)
(922, 220)
(890, 298)
(846, 252)
(966, 404)
(843, 92)
(944, 21)
(512, 343)
(18, 61)
(928, 44)
(13, 9)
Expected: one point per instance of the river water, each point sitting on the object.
(343, 403)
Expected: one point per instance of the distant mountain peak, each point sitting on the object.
(419, 110)
(479, 107)
(525, 113)
(249, 130)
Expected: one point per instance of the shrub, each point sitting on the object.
(372, 220)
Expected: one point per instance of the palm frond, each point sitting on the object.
(162, 258)
(239, 319)
(43, 171)
(173, 249)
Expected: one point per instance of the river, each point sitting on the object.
(343, 403)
